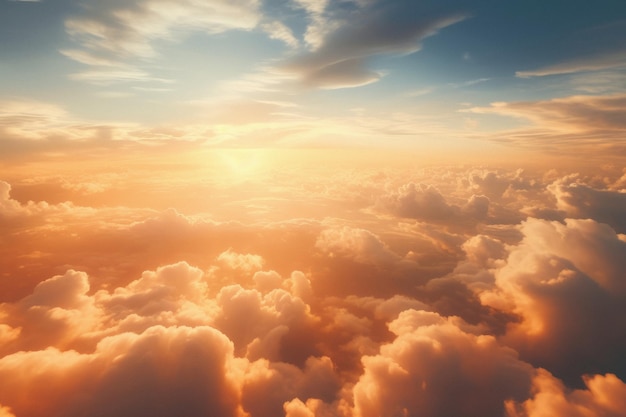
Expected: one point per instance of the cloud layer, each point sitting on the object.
(502, 288)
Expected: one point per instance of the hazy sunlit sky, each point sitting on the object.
(310, 73)
(313, 208)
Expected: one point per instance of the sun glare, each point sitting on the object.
(242, 164)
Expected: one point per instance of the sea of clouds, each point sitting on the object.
(447, 291)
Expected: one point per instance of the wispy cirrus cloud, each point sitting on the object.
(582, 64)
(127, 29)
(586, 113)
(118, 38)
(568, 124)
(279, 31)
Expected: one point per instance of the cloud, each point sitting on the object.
(342, 74)
(320, 23)
(592, 247)
(590, 124)
(347, 309)
(32, 129)
(296, 408)
(6, 412)
(604, 397)
(107, 76)
(583, 201)
(483, 250)
(575, 113)
(490, 182)
(342, 44)
(585, 64)
(426, 202)
(116, 30)
(419, 201)
(247, 262)
(430, 361)
(565, 282)
(155, 372)
(265, 393)
(118, 39)
(279, 31)
(8, 206)
(25, 116)
(477, 206)
(161, 336)
(358, 245)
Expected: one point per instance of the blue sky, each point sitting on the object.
(416, 69)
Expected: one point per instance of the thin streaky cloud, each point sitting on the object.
(586, 64)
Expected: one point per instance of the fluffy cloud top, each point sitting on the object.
(583, 201)
(432, 360)
(604, 397)
(566, 282)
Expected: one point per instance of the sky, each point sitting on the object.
(312, 208)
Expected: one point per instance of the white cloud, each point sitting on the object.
(122, 29)
(278, 30)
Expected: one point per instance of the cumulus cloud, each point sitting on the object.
(430, 361)
(583, 201)
(266, 392)
(419, 201)
(157, 345)
(359, 245)
(427, 203)
(8, 206)
(489, 182)
(247, 262)
(483, 250)
(605, 396)
(566, 283)
(160, 372)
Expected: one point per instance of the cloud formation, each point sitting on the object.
(573, 124)
(117, 38)
(500, 288)
(431, 360)
(123, 29)
(579, 200)
(576, 113)
(566, 283)
(585, 64)
(604, 396)
(341, 43)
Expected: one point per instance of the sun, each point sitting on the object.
(242, 164)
